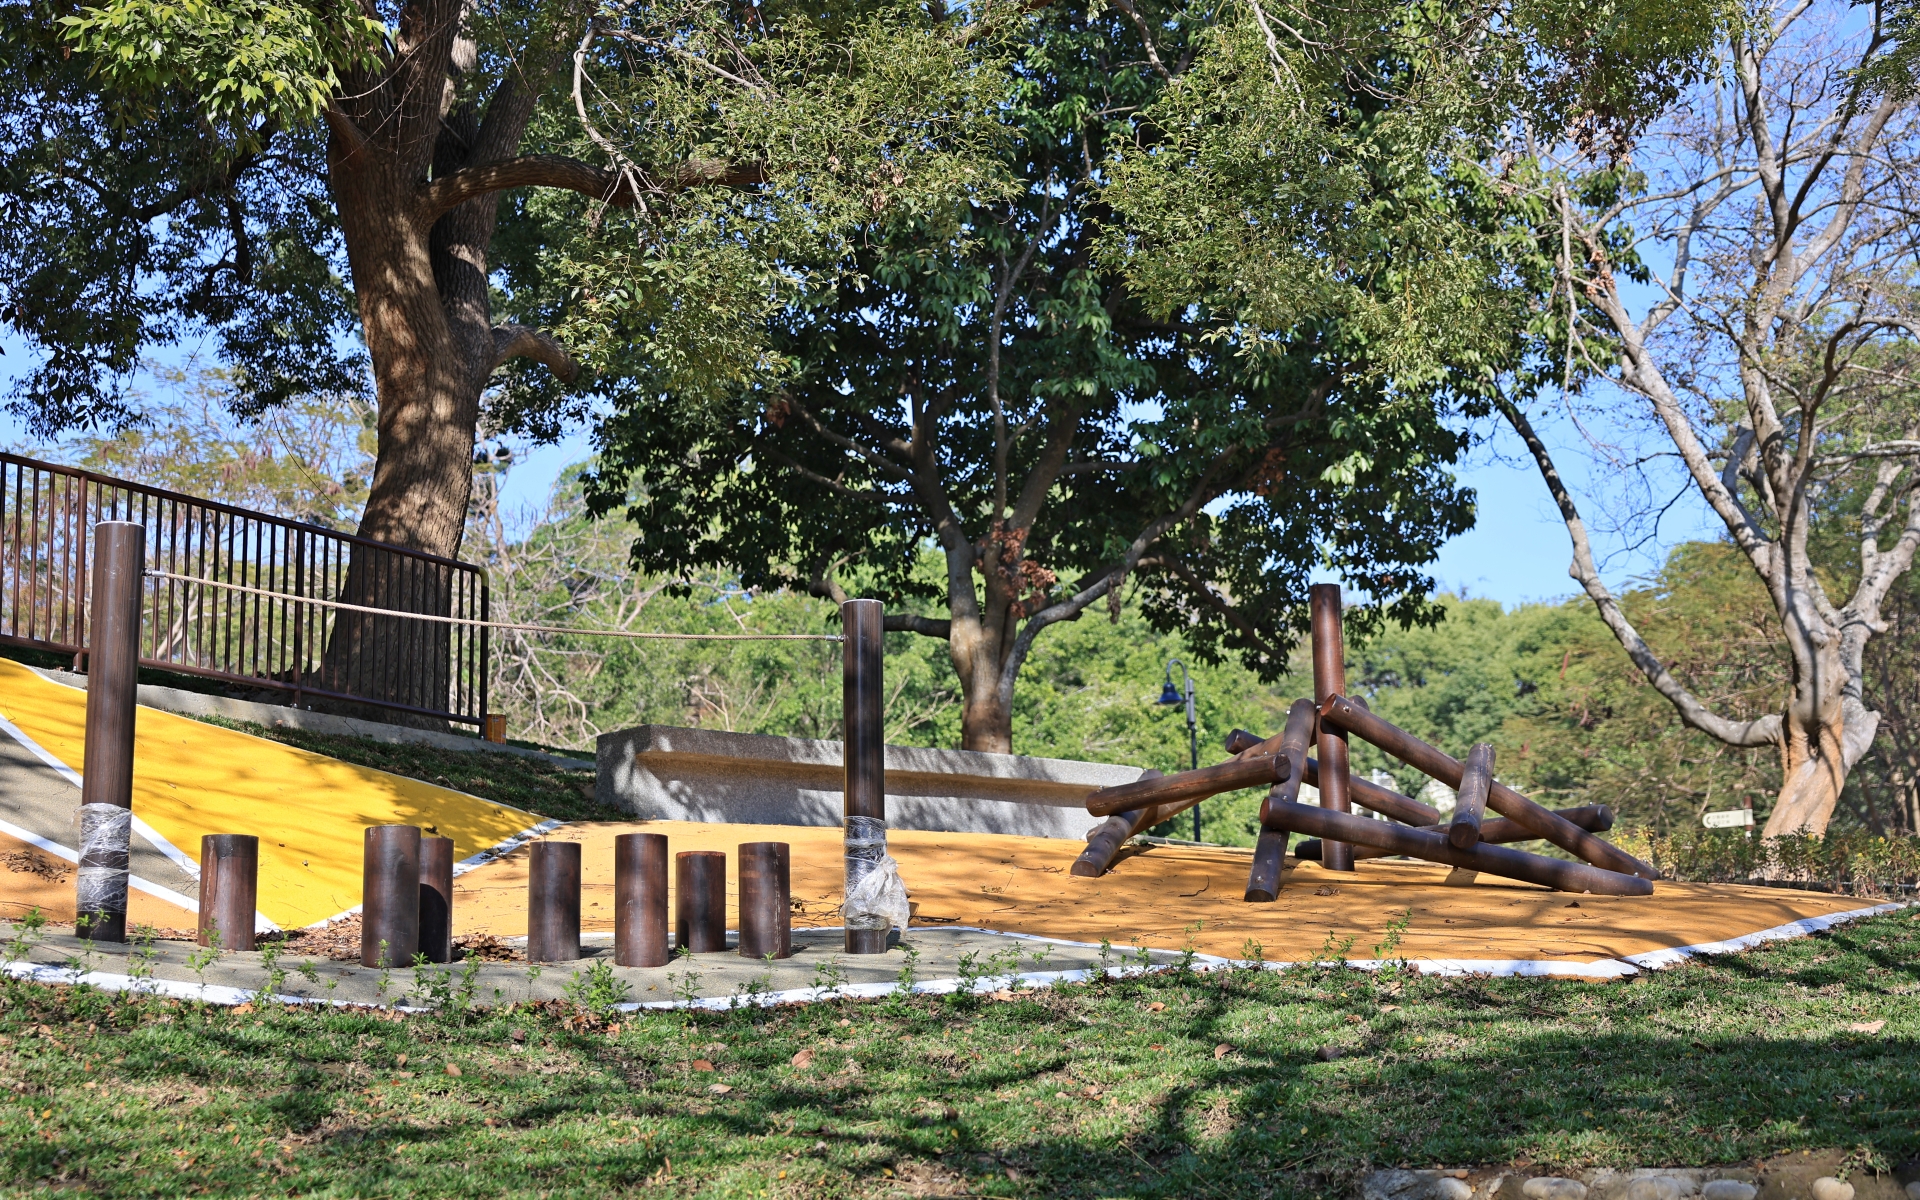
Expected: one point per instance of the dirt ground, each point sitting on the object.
(1165, 896)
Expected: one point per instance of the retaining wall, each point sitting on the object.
(662, 772)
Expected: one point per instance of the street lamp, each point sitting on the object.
(1169, 696)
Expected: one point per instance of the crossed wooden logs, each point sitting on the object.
(1469, 839)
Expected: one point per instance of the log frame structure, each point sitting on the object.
(1468, 839)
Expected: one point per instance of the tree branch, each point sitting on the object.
(443, 195)
(1763, 731)
(520, 341)
(910, 623)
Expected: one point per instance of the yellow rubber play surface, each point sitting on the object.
(309, 811)
(1021, 885)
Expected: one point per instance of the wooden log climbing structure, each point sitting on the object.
(1468, 839)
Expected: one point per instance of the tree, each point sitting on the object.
(1770, 219)
(1016, 386)
(417, 190)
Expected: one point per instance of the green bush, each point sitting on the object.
(1855, 862)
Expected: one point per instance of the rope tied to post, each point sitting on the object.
(475, 622)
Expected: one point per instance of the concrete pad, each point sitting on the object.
(1169, 897)
(944, 957)
(308, 811)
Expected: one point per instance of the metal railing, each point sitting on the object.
(427, 668)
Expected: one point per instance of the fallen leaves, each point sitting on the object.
(718, 1089)
(1221, 1051)
(453, 1069)
(1157, 1006)
(1867, 1026)
(701, 1064)
(802, 1060)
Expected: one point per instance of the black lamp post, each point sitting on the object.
(1169, 696)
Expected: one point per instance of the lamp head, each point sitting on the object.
(1168, 695)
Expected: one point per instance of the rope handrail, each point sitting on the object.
(513, 625)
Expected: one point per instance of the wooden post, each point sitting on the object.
(864, 753)
(766, 900)
(390, 896)
(113, 679)
(553, 902)
(1470, 801)
(229, 889)
(1596, 818)
(436, 899)
(1189, 785)
(640, 900)
(1330, 679)
(1103, 844)
(1270, 848)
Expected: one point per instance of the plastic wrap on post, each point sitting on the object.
(100, 892)
(876, 898)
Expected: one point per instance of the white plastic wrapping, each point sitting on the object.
(104, 833)
(876, 897)
(879, 899)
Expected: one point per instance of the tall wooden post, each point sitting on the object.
(1330, 679)
(113, 679)
(864, 753)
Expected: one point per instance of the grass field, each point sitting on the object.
(1200, 1085)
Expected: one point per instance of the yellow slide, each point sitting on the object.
(308, 810)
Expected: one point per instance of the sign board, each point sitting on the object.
(1732, 818)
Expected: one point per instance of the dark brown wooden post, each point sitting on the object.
(113, 680)
(553, 902)
(766, 900)
(1270, 848)
(1470, 802)
(1330, 679)
(390, 896)
(864, 752)
(229, 889)
(640, 936)
(436, 898)
(700, 900)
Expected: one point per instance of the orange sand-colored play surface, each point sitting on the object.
(1021, 885)
(22, 890)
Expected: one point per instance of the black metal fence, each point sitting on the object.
(262, 636)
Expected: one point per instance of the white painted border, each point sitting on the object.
(1606, 968)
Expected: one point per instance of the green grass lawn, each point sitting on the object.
(1205, 1085)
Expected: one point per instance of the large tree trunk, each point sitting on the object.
(425, 315)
